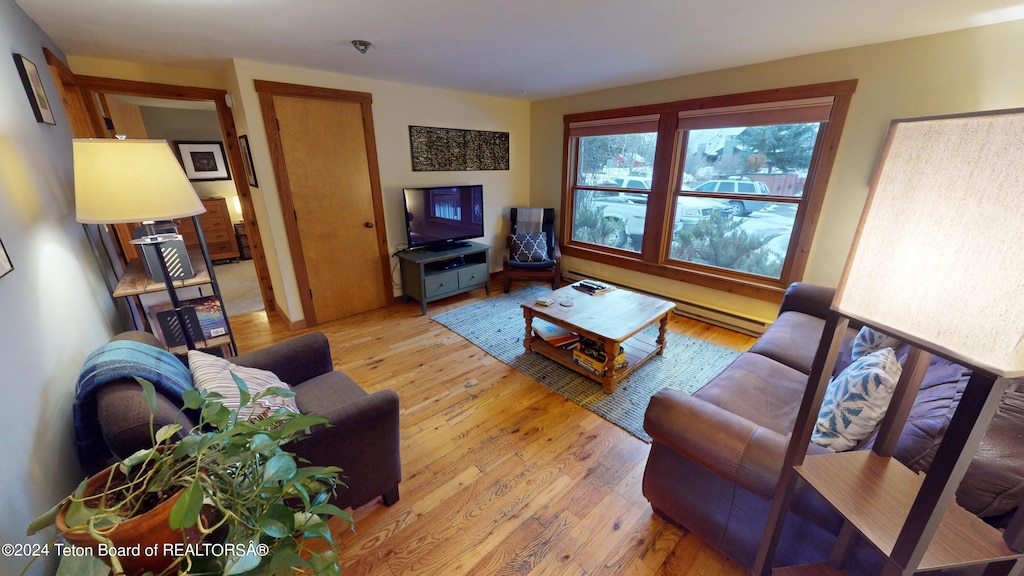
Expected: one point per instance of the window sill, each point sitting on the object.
(761, 289)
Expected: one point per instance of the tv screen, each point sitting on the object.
(439, 217)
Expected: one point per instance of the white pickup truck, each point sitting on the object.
(630, 208)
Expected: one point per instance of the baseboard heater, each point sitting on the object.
(730, 320)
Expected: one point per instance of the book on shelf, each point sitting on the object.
(596, 365)
(593, 287)
(554, 335)
(203, 316)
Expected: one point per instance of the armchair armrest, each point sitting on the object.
(362, 437)
(729, 445)
(807, 298)
(293, 361)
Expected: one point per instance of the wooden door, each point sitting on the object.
(330, 191)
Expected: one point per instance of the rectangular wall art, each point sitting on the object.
(439, 149)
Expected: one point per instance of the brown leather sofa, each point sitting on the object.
(362, 437)
(716, 456)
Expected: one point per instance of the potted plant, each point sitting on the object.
(228, 498)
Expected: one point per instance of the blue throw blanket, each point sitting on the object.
(120, 360)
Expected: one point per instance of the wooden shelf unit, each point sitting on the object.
(135, 282)
(876, 495)
(912, 519)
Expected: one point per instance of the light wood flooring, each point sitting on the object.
(501, 475)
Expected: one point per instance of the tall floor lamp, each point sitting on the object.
(122, 181)
(938, 262)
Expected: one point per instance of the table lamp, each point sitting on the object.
(122, 181)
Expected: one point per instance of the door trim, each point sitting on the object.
(266, 91)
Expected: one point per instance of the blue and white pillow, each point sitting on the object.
(856, 400)
(869, 340)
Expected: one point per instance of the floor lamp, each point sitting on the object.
(937, 263)
(122, 181)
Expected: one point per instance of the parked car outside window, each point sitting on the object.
(745, 186)
(628, 210)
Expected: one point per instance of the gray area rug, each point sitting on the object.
(496, 325)
(239, 287)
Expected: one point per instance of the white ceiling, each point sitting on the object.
(525, 49)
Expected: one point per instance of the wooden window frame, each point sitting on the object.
(653, 257)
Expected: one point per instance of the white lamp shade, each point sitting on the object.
(939, 255)
(119, 181)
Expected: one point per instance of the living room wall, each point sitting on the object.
(395, 108)
(55, 307)
(963, 71)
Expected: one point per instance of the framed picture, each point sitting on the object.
(204, 160)
(34, 88)
(250, 172)
(5, 262)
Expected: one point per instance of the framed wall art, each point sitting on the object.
(250, 171)
(34, 88)
(204, 160)
(5, 262)
(441, 149)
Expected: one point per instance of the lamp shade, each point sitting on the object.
(119, 181)
(939, 255)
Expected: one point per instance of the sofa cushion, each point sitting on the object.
(856, 400)
(214, 374)
(787, 340)
(761, 390)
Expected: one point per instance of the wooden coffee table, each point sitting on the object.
(615, 319)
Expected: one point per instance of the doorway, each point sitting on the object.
(87, 102)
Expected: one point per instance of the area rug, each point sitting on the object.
(239, 287)
(496, 325)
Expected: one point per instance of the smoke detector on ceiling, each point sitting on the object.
(361, 45)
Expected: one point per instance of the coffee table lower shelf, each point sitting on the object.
(638, 349)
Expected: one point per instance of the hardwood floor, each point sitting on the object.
(501, 475)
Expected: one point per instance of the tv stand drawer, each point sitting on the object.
(472, 275)
(441, 283)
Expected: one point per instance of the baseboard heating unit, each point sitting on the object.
(730, 320)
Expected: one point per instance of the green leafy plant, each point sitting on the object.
(719, 241)
(239, 488)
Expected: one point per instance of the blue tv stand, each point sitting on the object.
(428, 276)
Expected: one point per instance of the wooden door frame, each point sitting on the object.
(266, 91)
(95, 86)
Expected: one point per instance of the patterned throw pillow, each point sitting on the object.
(531, 247)
(856, 400)
(869, 340)
(214, 374)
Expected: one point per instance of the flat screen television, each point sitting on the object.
(440, 217)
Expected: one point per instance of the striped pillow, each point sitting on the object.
(213, 373)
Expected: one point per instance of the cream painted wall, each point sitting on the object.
(55, 307)
(968, 70)
(395, 108)
(128, 70)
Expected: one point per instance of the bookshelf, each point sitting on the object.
(136, 282)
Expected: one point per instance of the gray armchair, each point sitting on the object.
(362, 438)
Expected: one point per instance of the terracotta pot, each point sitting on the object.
(139, 541)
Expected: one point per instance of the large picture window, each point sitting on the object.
(721, 192)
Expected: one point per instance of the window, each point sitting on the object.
(722, 192)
